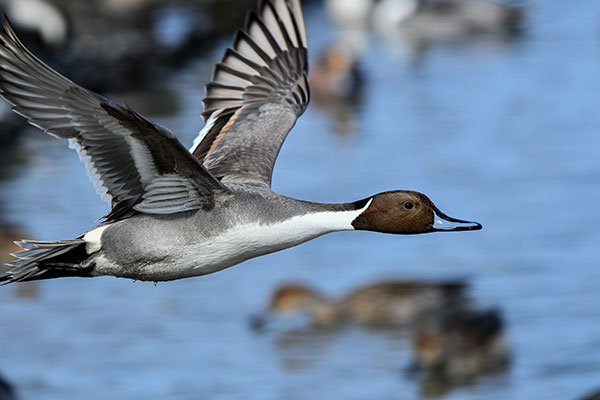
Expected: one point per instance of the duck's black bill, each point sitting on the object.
(444, 223)
(259, 321)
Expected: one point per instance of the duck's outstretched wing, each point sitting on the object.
(257, 92)
(133, 163)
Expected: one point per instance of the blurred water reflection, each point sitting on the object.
(506, 135)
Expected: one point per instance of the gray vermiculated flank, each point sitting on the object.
(257, 92)
(132, 162)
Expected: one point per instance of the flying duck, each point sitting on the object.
(177, 213)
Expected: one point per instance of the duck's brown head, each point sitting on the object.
(289, 299)
(293, 298)
(407, 212)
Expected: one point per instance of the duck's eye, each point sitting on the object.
(408, 205)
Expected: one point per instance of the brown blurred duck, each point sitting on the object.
(336, 75)
(390, 303)
(463, 345)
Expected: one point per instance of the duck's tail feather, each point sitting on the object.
(46, 260)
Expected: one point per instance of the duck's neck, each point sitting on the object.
(332, 217)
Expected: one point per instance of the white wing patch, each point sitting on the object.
(207, 128)
(141, 157)
(92, 172)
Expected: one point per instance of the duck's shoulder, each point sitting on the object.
(257, 202)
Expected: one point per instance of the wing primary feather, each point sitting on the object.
(243, 37)
(283, 28)
(230, 70)
(124, 153)
(217, 86)
(271, 21)
(249, 113)
(235, 54)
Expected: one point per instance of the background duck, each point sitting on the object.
(388, 303)
(337, 83)
(592, 396)
(39, 21)
(336, 75)
(447, 19)
(462, 345)
(7, 391)
(131, 41)
(430, 20)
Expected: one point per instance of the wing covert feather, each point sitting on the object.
(258, 90)
(126, 155)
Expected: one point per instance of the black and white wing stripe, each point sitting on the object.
(133, 163)
(257, 92)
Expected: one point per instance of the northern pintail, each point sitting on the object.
(177, 213)
(385, 303)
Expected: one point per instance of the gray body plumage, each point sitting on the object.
(199, 242)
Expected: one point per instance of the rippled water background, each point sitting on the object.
(505, 134)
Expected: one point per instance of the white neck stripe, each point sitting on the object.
(331, 221)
